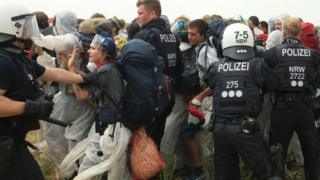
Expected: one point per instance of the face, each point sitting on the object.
(95, 55)
(278, 25)
(264, 29)
(62, 57)
(194, 36)
(144, 15)
(250, 24)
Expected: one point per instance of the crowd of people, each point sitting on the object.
(254, 84)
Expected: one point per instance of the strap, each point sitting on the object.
(205, 68)
(206, 58)
(103, 87)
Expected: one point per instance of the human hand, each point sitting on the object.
(72, 60)
(194, 108)
(38, 50)
(40, 109)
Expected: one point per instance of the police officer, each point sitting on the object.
(236, 83)
(19, 107)
(297, 68)
(154, 31)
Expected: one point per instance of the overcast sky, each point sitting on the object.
(308, 10)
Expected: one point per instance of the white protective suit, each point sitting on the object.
(80, 114)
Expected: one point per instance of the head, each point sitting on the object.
(263, 26)
(253, 22)
(292, 28)
(278, 24)
(180, 29)
(216, 16)
(66, 46)
(206, 18)
(237, 18)
(121, 23)
(238, 42)
(132, 29)
(166, 20)
(102, 47)
(115, 26)
(148, 10)
(196, 31)
(309, 35)
(42, 20)
(17, 23)
(65, 22)
(97, 15)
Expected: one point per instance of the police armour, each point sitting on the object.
(295, 67)
(236, 91)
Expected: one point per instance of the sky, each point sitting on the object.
(308, 10)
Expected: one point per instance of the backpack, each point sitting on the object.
(148, 92)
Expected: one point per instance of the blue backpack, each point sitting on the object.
(148, 93)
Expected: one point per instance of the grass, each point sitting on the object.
(47, 166)
(50, 170)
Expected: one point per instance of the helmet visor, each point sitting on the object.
(97, 41)
(30, 28)
(27, 26)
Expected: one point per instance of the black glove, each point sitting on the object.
(40, 109)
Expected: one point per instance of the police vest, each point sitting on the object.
(236, 92)
(29, 89)
(167, 45)
(295, 67)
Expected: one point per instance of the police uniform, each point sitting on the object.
(237, 81)
(158, 35)
(17, 78)
(297, 68)
(237, 102)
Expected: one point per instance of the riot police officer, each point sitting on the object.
(20, 107)
(297, 68)
(236, 83)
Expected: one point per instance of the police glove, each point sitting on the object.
(194, 109)
(40, 109)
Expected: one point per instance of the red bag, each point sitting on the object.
(145, 159)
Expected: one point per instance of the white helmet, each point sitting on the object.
(238, 42)
(17, 21)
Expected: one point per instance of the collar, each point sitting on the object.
(291, 40)
(101, 63)
(13, 49)
(110, 61)
(158, 22)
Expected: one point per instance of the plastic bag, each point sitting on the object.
(146, 160)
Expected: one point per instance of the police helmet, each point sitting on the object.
(238, 42)
(17, 21)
